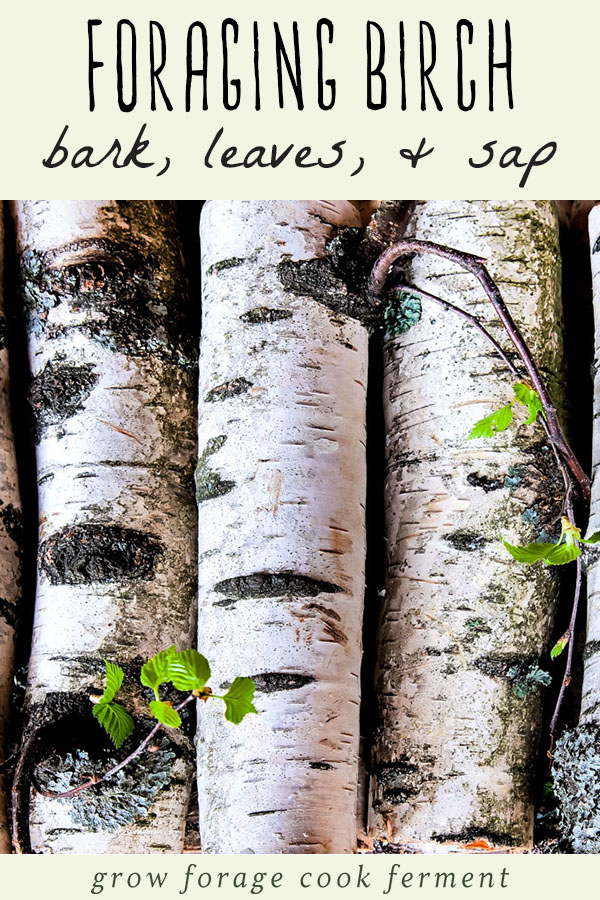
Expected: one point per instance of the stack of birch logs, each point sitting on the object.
(219, 502)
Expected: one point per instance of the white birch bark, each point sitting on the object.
(462, 623)
(281, 488)
(113, 394)
(10, 551)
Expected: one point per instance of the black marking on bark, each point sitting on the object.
(12, 520)
(59, 391)
(469, 835)
(132, 300)
(265, 812)
(319, 279)
(261, 314)
(485, 482)
(321, 765)
(398, 780)
(499, 666)
(596, 247)
(466, 540)
(271, 682)
(95, 553)
(87, 475)
(228, 389)
(259, 585)
(8, 612)
(209, 484)
(591, 649)
(224, 264)
(226, 604)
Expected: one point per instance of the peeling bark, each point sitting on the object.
(463, 626)
(10, 551)
(113, 393)
(282, 544)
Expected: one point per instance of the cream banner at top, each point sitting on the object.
(190, 99)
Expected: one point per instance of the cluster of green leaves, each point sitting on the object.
(186, 670)
(502, 418)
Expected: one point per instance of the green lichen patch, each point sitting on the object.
(123, 799)
(59, 391)
(117, 293)
(528, 680)
(262, 314)
(223, 264)
(260, 585)
(576, 771)
(227, 390)
(273, 682)
(402, 311)
(209, 484)
(95, 553)
(525, 675)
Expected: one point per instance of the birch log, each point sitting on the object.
(113, 392)
(281, 491)
(576, 765)
(10, 552)
(464, 627)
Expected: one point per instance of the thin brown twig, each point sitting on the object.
(476, 265)
(570, 648)
(474, 320)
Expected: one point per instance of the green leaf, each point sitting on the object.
(563, 554)
(114, 680)
(188, 670)
(115, 720)
(496, 421)
(551, 554)
(529, 398)
(156, 671)
(559, 646)
(238, 700)
(165, 714)
(593, 539)
(531, 553)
